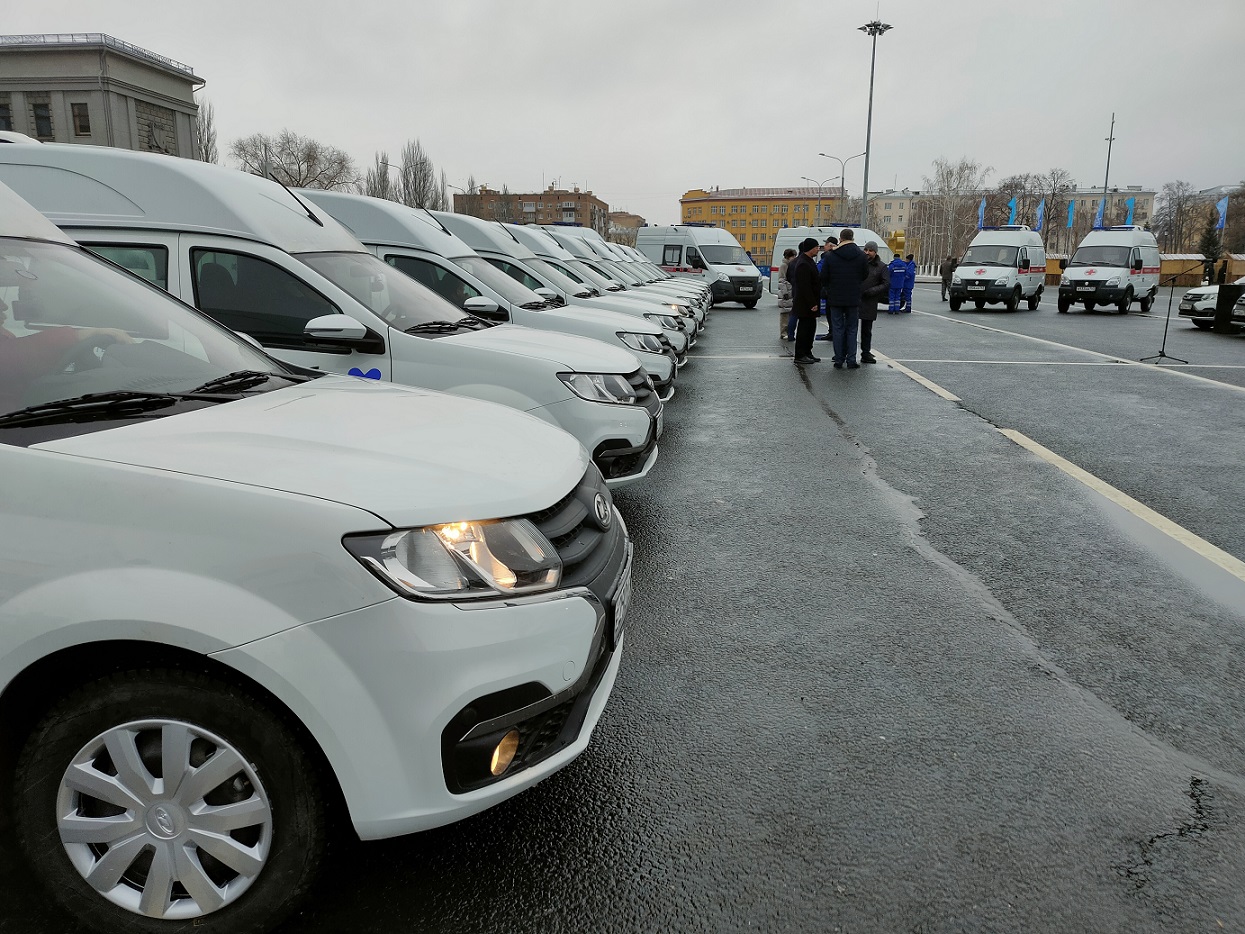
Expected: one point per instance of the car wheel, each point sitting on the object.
(1064, 305)
(1147, 303)
(1203, 325)
(1125, 303)
(154, 800)
(955, 304)
(1013, 300)
(750, 303)
(1035, 299)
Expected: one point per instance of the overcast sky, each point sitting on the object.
(640, 100)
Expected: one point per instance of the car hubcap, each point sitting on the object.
(164, 819)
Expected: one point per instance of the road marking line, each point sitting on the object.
(917, 377)
(1182, 366)
(1197, 545)
(1149, 367)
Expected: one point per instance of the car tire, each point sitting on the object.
(956, 303)
(750, 303)
(1035, 299)
(1125, 303)
(1013, 300)
(1147, 303)
(1064, 305)
(257, 833)
(1203, 325)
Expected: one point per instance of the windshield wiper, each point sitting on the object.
(234, 382)
(121, 400)
(434, 327)
(535, 306)
(475, 324)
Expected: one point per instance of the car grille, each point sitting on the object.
(749, 281)
(592, 553)
(646, 393)
(968, 282)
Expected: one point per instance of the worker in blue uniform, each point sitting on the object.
(909, 280)
(899, 272)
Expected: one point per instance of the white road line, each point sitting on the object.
(1197, 545)
(1149, 367)
(1180, 366)
(913, 375)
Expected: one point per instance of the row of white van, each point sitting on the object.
(249, 572)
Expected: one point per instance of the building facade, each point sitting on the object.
(94, 89)
(623, 227)
(551, 206)
(755, 215)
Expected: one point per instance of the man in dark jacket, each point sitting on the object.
(873, 290)
(945, 272)
(842, 272)
(805, 300)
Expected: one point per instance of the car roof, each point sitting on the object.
(481, 234)
(377, 220)
(19, 219)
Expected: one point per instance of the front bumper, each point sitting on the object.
(736, 290)
(1206, 312)
(597, 424)
(1097, 293)
(991, 293)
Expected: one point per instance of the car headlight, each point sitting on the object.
(1002, 280)
(670, 322)
(600, 387)
(723, 277)
(645, 343)
(679, 308)
(956, 280)
(461, 560)
(1064, 280)
(1114, 280)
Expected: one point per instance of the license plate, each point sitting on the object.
(1085, 288)
(622, 603)
(745, 288)
(976, 288)
(1185, 307)
(661, 423)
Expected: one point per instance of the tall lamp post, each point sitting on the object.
(874, 29)
(842, 166)
(819, 185)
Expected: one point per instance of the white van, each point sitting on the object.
(789, 238)
(497, 244)
(1003, 265)
(706, 254)
(417, 244)
(1112, 266)
(262, 262)
(241, 606)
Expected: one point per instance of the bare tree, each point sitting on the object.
(947, 215)
(294, 160)
(471, 202)
(205, 133)
(1176, 217)
(417, 178)
(503, 210)
(378, 181)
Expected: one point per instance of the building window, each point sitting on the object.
(81, 120)
(886, 219)
(764, 223)
(6, 115)
(43, 120)
(888, 205)
(901, 218)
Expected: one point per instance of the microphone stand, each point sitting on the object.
(1162, 354)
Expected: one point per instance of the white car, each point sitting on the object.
(234, 598)
(1198, 305)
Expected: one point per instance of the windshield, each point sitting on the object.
(1101, 256)
(71, 325)
(392, 295)
(575, 275)
(498, 281)
(555, 276)
(720, 254)
(987, 255)
(621, 273)
(598, 278)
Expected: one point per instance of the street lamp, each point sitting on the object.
(874, 29)
(842, 166)
(819, 187)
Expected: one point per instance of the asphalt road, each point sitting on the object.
(887, 670)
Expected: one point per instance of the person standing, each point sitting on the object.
(909, 281)
(842, 272)
(827, 247)
(872, 291)
(805, 300)
(945, 272)
(898, 269)
(786, 320)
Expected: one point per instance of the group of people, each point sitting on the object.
(852, 281)
(903, 278)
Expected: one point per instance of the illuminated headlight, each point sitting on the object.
(679, 308)
(1003, 280)
(1064, 280)
(723, 277)
(956, 280)
(461, 560)
(1114, 280)
(600, 387)
(645, 343)
(669, 322)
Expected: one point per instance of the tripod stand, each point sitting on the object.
(1162, 355)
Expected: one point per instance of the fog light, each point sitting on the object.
(503, 755)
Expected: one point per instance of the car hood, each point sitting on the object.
(734, 270)
(615, 320)
(409, 456)
(580, 354)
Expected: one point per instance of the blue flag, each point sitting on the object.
(1102, 206)
(981, 214)
(1041, 215)
(1222, 208)
(1011, 218)
(1071, 211)
(1131, 203)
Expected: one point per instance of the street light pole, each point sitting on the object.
(819, 187)
(1107, 177)
(842, 167)
(874, 29)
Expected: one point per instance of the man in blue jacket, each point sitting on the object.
(909, 280)
(899, 271)
(842, 272)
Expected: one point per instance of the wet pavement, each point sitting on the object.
(886, 670)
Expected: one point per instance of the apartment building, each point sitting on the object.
(755, 215)
(551, 206)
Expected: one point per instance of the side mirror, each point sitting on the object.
(335, 328)
(615, 285)
(1138, 265)
(485, 308)
(1063, 264)
(1024, 265)
(548, 295)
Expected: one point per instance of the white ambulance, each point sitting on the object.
(706, 254)
(1112, 266)
(1002, 265)
(789, 239)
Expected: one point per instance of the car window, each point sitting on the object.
(149, 261)
(255, 297)
(449, 286)
(518, 274)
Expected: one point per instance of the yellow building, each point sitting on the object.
(755, 215)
